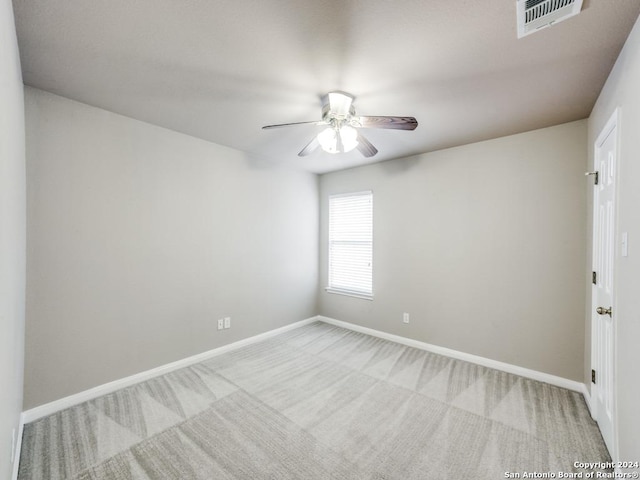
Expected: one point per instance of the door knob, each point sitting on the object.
(603, 311)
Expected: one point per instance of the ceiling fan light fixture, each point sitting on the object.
(341, 134)
(338, 140)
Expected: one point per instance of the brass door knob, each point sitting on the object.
(603, 311)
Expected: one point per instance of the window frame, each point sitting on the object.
(357, 293)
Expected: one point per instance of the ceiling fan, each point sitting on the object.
(341, 134)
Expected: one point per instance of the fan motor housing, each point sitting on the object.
(337, 105)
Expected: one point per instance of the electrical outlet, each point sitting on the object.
(405, 318)
(227, 322)
(220, 323)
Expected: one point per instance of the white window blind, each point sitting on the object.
(351, 244)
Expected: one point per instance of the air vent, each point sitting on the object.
(534, 15)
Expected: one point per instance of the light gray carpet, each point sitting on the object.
(318, 402)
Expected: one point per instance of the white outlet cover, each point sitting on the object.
(227, 322)
(220, 323)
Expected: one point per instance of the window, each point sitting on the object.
(351, 244)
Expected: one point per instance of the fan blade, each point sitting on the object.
(310, 148)
(365, 147)
(320, 122)
(396, 123)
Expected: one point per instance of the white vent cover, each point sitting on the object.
(534, 15)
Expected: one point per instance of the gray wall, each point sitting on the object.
(140, 238)
(12, 235)
(622, 89)
(483, 245)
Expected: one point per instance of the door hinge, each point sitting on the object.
(595, 177)
(594, 278)
(593, 376)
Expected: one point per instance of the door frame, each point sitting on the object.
(612, 123)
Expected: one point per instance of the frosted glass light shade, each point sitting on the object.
(328, 139)
(349, 137)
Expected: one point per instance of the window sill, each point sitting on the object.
(348, 293)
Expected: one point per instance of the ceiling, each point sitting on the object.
(221, 69)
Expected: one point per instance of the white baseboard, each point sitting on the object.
(16, 457)
(587, 398)
(33, 414)
(467, 357)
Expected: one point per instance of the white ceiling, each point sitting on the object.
(221, 69)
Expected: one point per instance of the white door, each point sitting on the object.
(603, 313)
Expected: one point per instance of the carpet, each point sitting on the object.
(319, 402)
